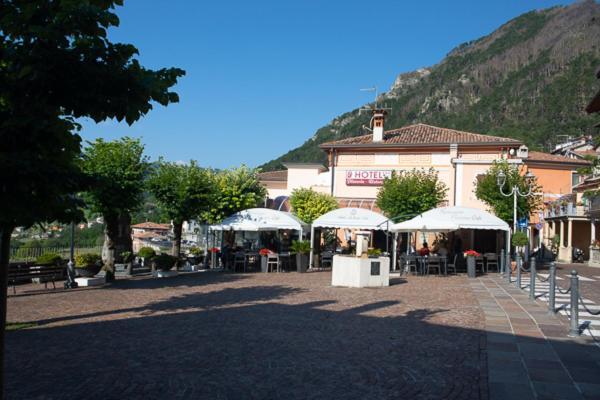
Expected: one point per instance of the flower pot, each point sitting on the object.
(88, 271)
(301, 262)
(263, 264)
(471, 267)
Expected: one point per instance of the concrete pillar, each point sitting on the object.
(593, 231)
(562, 234)
(570, 234)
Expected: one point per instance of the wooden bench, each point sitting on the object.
(26, 272)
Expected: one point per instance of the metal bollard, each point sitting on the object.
(502, 261)
(552, 289)
(508, 267)
(532, 279)
(574, 331)
(519, 263)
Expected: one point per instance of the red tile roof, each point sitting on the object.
(280, 176)
(553, 158)
(152, 225)
(423, 134)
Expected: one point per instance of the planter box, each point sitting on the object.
(594, 257)
(91, 281)
(263, 264)
(351, 271)
(471, 273)
(301, 262)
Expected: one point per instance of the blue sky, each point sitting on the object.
(263, 76)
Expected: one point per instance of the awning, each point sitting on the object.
(352, 218)
(261, 219)
(445, 219)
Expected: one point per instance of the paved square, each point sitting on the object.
(250, 336)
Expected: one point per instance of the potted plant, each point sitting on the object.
(146, 253)
(263, 259)
(373, 253)
(162, 265)
(195, 256)
(520, 240)
(88, 265)
(213, 256)
(470, 256)
(301, 248)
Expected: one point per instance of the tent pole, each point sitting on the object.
(394, 251)
(312, 239)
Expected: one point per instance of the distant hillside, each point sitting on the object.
(530, 79)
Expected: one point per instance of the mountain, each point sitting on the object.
(530, 80)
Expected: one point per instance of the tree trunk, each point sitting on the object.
(5, 232)
(117, 239)
(177, 228)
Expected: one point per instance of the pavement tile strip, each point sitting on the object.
(589, 323)
(528, 354)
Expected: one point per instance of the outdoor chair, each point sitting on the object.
(411, 263)
(479, 263)
(326, 260)
(433, 262)
(491, 260)
(272, 262)
(239, 259)
(452, 265)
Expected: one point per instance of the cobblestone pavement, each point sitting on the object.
(248, 336)
(589, 279)
(528, 353)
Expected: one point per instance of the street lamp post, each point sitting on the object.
(515, 192)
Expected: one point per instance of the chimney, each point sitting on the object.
(378, 120)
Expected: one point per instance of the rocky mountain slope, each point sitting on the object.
(530, 79)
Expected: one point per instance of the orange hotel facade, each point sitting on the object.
(358, 165)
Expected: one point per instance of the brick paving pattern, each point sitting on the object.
(528, 354)
(249, 336)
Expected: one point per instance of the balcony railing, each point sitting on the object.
(567, 210)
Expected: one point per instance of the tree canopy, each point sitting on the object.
(184, 192)
(116, 170)
(236, 189)
(57, 65)
(309, 205)
(409, 193)
(487, 190)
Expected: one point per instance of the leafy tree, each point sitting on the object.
(116, 170)
(56, 65)
(183, 192)
(408, 193)
(309, 205)
(487, 190)
(235, 190)
(589, 169)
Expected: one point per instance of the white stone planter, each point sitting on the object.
(594, 257)
(351, 271)
(165, 274)
(93, 281)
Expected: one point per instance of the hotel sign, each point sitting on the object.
(366, 177)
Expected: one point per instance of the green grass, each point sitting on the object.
(15, 326)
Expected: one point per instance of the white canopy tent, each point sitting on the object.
(348, 218)
(447, 219)
(261, 219)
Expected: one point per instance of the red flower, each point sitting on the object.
(214, 250)
(472, 253)
(264, 252)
